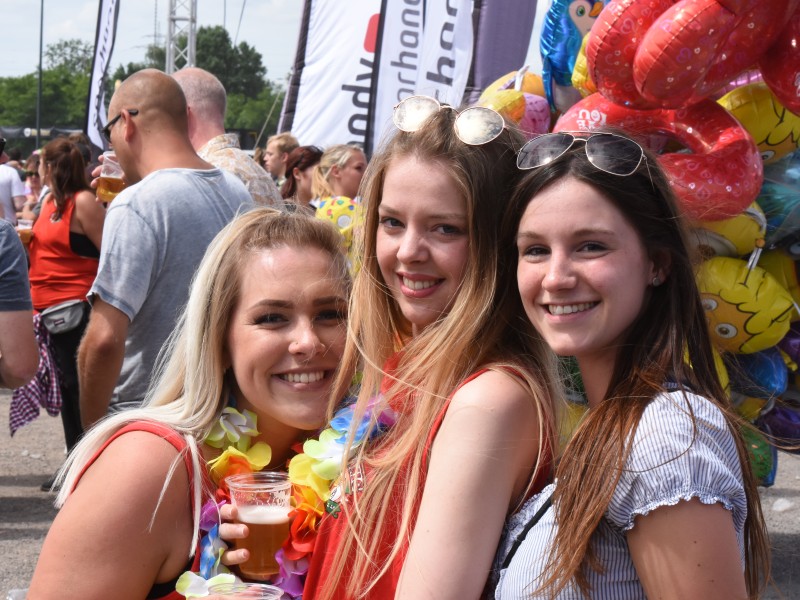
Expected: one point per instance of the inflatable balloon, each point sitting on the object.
(780, 65)
(760, 374)
(783, 268)
(775, 130)
(747, 309)
(565, 24)
(790, 343)
(750, 408)
(735, 237)
(719, 178)
(783, 422)
(343, 213)
(669, 54)
(519, 97)
(580, 74)
(762, 454)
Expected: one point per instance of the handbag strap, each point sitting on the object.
(524, 533)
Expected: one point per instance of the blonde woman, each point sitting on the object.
(263, 332)
(419, 510)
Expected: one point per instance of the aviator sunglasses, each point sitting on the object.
(474, 126)
(608, 152)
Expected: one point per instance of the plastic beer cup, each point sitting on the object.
(253, 591)
(110, 182)
(262, 501)
(25, 230)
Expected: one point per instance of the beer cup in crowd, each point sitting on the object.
(110, 182)
(262, 502)
(239, 590)
(25, 230)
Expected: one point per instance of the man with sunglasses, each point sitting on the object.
(155, 233)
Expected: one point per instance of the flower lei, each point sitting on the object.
(311, 473)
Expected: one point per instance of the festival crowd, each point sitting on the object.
(399, 335)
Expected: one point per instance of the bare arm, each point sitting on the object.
(480, 463)
(688, 551)
(100, 360)
(19, 354)
(101, 544)
(91, 215)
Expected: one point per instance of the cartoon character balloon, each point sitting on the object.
(519, 97)
(747, 309)
(565, 25)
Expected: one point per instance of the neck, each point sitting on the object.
(168, 152)
(596, 375)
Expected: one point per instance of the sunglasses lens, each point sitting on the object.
(478, 125)
(541, 150)
(614, 154)
(412, 112)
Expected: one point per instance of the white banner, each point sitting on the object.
(335, 84)
(399, 58)
(446, 50)
(103, 47)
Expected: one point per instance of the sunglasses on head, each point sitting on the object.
(474, 126)
(608, 152)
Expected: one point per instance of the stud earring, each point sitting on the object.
(656, 281)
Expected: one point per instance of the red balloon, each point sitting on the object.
(719, 178)
(780, 65)
(668, 53)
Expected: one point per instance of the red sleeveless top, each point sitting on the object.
(57, 274)
(334, 524)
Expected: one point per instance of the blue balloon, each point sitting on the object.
(760, 374)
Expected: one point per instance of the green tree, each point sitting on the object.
(250, 113)
(239, 68)
(74, 55)
(155, 57)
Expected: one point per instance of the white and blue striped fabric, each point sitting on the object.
(667, 464)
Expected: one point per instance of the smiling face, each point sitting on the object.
(583, 271)
(422, 239)
(286, 337)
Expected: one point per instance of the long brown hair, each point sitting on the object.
(672, 319)
(481, 329)
(66, 169)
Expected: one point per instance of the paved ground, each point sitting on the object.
(36, 450)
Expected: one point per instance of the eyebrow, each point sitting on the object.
(286, 304)
(388, 210)
(586, 232)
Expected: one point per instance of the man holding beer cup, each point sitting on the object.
(155, 234)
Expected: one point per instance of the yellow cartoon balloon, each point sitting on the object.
(736, 236)
(775, 130)
(747, 309)
(784, 269)
(581, 80)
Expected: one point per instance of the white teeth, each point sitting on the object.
(568, 309)
(303, 377)
(418, 285)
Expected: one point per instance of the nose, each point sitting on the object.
(412, 247)
(560, 273)
(306, 342)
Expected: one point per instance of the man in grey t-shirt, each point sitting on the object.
(155, 234)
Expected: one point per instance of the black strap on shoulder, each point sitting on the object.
(524, 533)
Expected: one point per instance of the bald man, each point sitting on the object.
(155, 233)
(207, 102)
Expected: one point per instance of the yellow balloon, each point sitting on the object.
(775, 129)
(784, 269)
(581, 80)
(509, 103)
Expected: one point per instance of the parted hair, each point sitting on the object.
(672, 319)
(191, 385)
(66, 169)
(481, 329)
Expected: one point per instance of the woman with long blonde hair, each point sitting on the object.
(440, 337)
(654, 496)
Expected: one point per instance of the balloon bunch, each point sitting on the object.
(713, 88)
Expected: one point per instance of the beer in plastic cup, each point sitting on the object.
(25, 230)
(239, 589)
(262, 501)
(110, 182)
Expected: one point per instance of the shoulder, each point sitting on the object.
(492, 387)
(678, 416)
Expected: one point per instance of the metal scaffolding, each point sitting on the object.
(182, 24)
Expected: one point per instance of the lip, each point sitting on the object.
(433, 283)
(312, 383)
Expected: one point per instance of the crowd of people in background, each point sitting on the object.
(420, 301)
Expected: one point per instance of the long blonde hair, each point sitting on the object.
(484, 328)
(191, 386)
(338, 156)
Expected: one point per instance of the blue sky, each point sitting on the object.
(271, 26)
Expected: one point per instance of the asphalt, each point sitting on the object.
(37, 450)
